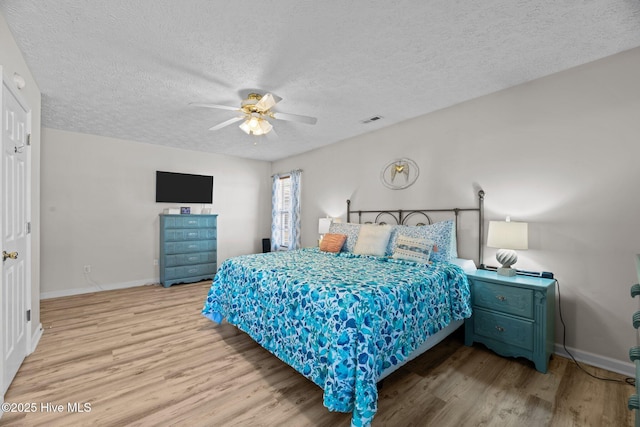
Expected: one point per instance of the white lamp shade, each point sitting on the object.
(323, 225)
(508, 235)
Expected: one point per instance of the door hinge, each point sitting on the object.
(28, 139)
(28, 315)
(29, 228)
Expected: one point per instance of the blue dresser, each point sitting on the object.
(513, 316)
(188, 248)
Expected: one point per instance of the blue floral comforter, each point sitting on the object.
(339, 319)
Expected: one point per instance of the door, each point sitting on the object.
(13, 225)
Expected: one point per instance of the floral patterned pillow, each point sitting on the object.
(351, 230)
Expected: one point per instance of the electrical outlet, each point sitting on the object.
(155, 262)
(87, 268)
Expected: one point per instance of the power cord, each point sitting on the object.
(630, 381)
(87, 277)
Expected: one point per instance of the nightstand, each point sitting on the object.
(513, 316)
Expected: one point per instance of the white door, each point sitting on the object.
(13, 225)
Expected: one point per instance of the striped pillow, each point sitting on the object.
(412, 249)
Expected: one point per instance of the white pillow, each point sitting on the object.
(372, 240)
(413, 249)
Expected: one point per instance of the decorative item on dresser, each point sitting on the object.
(634, 352)
(513, 316)
(188, 248)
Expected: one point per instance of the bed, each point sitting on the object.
(346, 319)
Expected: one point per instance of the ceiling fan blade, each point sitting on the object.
(295, 118)
(267, 102)
(222, 107)
(226, 123)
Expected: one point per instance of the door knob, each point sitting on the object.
(12, 255)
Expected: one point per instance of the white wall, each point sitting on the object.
(560, 153)
(11, 61)
(99, 209)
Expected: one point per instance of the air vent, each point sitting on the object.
(371, 119)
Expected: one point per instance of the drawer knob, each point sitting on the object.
(501, 298)
(499, 328)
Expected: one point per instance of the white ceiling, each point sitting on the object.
(129, 69)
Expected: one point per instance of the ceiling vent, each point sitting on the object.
(371, 119)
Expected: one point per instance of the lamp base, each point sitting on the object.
(506, 271)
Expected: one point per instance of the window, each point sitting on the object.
(285, 211)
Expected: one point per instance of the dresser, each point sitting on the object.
(513, 316)
(188, 248)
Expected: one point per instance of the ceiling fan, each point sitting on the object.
(254, 111)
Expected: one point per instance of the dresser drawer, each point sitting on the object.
(506, 299)
(191, 221)
(172, 235)
(189, 247)
(508, 330)
(190, 259)
(190, 271)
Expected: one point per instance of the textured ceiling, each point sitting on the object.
(129, 69)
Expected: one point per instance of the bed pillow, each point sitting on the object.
(372, 240)
(332, 242)
(442, 234)
(351, 230)
(412, 249)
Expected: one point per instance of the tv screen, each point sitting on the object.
(174, 187)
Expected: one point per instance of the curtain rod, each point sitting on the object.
(285, 173)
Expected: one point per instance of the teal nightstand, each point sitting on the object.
(513, 316)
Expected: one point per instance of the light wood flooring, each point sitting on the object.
(146, 357)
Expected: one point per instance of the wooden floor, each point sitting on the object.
(146, 357)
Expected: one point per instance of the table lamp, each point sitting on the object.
(323, 226)
(507, 236)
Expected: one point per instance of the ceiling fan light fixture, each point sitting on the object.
(255, 112)
(256, 126)
(265, 126)
(245, 127)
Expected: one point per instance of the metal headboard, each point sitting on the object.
(402, 216)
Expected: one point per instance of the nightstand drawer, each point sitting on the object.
(506, 299)
(508, 330)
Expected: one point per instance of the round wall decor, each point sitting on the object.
(399, 174)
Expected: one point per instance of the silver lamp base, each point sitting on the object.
(506, 271)
(506, 257)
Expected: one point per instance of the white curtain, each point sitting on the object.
(285, 211)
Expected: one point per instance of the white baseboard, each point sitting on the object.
(98, 288)
(35, 338)
(604, 362)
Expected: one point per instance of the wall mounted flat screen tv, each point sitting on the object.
(172, 187)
